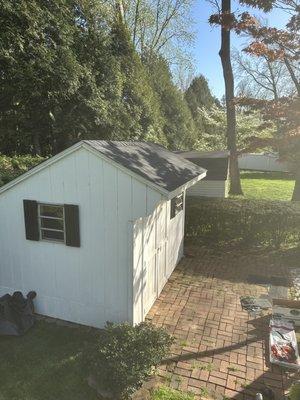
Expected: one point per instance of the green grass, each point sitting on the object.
(165, 393)
(267, 185)
(44, 364)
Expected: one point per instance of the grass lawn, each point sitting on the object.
(267, 185)
(165, 393)
(44, 364)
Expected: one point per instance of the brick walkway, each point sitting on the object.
(220, 351)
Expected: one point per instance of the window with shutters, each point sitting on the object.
(176, 205)
(51, 218)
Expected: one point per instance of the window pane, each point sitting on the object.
(52, 235)
(51, 211)
(176, 205)
(52, 223)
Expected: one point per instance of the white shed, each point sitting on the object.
(216, 182)
(96, 230)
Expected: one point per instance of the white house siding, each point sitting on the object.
(157, 247)
(91, 284)
(209, 188)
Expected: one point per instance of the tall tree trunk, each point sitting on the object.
(296, 193)
(235, 181)
(136, 20)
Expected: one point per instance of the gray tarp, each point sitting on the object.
(16, 313)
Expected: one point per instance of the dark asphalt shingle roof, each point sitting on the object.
(151, 161)
(204, 154)
(215, 162)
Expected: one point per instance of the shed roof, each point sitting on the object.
(151, 161)
(165, 171)
(203, 154)
(215, 162)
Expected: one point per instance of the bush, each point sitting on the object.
(125, 355)
(246, 222)
(11, 167)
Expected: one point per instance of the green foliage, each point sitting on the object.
(244, 222)
(39, 70)
(69, 71)
(178, 125)
(198, 95)
(138, 115)
(11, 167)
(125, 355)
(294, 393)
(212, 124)
(165, 393)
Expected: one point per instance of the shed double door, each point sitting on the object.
(154, 254)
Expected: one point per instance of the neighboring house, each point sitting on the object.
(216, 182)
(96, 230)
(262, 162)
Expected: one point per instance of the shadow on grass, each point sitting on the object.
(45, 364)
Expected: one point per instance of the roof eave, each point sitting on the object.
(187, 185)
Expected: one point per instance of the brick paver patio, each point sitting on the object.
(220, 351)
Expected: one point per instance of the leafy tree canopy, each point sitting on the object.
(70, 71)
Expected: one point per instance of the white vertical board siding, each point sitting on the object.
(129, 244)
(157, 247)
(209, 189)
(90, 284)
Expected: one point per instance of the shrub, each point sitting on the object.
(11, 167)
(125, 355)
(247, 222)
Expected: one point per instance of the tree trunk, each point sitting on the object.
(292, 75)
(296, 193)
(36, 144)
(235, 182)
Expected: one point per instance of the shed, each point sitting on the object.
(216, 182)
(96, 230)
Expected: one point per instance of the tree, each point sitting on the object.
(225, 55)
(262, 77)
(38, 70)
(199, 95)
(139, 102)
(279, 45)
(213, 128)
(178, 124)
(159, 26)
(68, 72)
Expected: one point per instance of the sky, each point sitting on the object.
(207, 41)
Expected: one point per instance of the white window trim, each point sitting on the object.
(40, 216)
